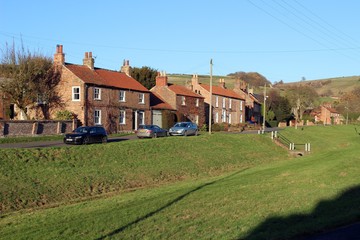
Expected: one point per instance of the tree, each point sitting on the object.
(29, 79)
(145, 75)
(301, 97)
(252, 78)
(279, 105)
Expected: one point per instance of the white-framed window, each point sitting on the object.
(241, 105)
(141, 98)
(216, 101)
(241, 118)
(97, 117)
(197, 102)
(223, 115)
(141, 119)
(224, 102)
(97, 94)
(76, 93)
(216, 117)
(122, 96)
(229, 120)
(183, 100)
(230, 103)
(197, 119)
(122, 117)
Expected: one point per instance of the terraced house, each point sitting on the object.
(102, 97)
(227, 105)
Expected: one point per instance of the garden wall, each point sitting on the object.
(16, 128)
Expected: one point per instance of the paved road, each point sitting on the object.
(57, 143)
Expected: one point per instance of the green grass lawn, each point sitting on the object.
(208, 187)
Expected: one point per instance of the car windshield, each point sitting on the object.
(81, 130)
(181, 125)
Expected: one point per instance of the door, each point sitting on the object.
(157, 118)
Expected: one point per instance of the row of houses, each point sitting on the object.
(117, 101)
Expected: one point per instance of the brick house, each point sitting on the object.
(100, 96)
(252, 102)
(227, 105)
(189, 105)
(328, 115)
(162, 113)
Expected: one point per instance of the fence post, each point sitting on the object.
(272, 135)
(308, 147)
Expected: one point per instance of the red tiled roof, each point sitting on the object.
(106, 77)
(222, 91)
(156, 102)
(183, 91)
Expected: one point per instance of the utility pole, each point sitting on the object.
(264, 109)
(210, 105)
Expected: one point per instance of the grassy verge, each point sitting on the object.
(237, 198)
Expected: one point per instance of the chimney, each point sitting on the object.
(161, 79)
(195, 80)
(240, 84)
(89, 60)
(126, 67)
(59, 56)
(222, 83)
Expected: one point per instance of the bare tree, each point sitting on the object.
(29, 79)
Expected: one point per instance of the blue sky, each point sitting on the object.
(281, 39)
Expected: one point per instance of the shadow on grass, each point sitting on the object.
(328, 214)
(179, 198)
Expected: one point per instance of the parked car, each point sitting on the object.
(86, 135)
(184, 129)
(151, 131)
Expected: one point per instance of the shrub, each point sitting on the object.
(64, 115)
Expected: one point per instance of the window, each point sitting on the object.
(223, 115)
(122, 96)
(97, 93)
(241, 118)
(183, 100)
(241, 105)
(141, 98)
(141, 119)
(76, 93)
(224, 102)
(122, 119)
(197, 102)
(229, 120)
(216, 117)
(230, 103)
(197, 119)
(97, 117)
(216, 101)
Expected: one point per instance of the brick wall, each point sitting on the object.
(32, 128)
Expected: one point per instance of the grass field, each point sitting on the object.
(208, 187)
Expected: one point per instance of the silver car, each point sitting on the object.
(184, 129)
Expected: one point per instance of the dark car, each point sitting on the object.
(151, 131)
(86, 135)
(184, 129)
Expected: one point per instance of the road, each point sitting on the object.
(58, 143)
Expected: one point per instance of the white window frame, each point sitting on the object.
(73, 93)
(122, 117)
(97, 95)
(223, 116)
(141, 117)
(229, 120)
(216, 101)
(97, 117)
(224, 102)
(197, 119)
(230, 103)
(122, 96)
(183, 100)
(216, 117)
(241, 118)
(141, 98)
(197, 102)
(241, 105)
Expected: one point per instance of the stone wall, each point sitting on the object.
(34, 128)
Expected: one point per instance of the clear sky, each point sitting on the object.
(281, 39)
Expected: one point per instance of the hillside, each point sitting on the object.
(330, 87)
(181, 79)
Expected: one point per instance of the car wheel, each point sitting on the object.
(185, 133)
(86, 140)
(196, 132)
(155, 135)
(104, 139)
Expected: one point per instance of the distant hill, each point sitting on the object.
(329, 87)
(181, 79)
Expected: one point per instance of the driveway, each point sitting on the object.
(58, 143)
